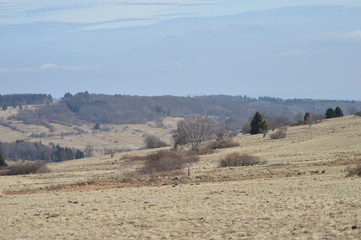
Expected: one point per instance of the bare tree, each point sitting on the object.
(89, 149)
(192, 132)
(278, 122)
(352, 110)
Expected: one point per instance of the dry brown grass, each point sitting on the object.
(26, 168)
(201, 151)
(354, 171)
(117, 137)
(301, 192)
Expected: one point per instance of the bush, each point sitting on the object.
(280, 133)
(237, 160)
(223, 143)
(152, 141)
(167, 161)
(355, 171)
(27, 168)
(2, 161)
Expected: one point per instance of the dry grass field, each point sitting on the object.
(110, 136)
(300, 192)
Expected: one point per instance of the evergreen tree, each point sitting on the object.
(338, 112)
(97, 126)
(2, 161)
(79, 154)
(307, 117)
(330, 113)
(258, 124)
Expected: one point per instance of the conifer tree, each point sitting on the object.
(258, 124)
(330, 113)
(338, 112)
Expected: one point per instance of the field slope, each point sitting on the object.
(301, 192)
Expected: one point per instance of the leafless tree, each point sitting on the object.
(89, 149)
(278, 122)
(352, 110)
(193, 132)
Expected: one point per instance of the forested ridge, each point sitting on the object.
(15, 100)
(125, 109)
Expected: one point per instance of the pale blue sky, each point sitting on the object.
(288, 49)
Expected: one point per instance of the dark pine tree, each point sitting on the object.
(307, 117)
(258, 124)
(338, 112)
(330, 113)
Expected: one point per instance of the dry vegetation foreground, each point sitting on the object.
(301, 192)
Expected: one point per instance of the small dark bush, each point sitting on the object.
(27, 168)
(2, 161)
(223, 143)
(237, 159)
(152, 141)
(354, 171)
(280, 133)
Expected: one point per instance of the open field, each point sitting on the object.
(110, 136)
(301, 192)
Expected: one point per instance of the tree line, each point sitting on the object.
(21, 150)
(15, 100)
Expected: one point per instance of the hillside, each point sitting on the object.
(125, 120)
(301, 192)
(118, 137)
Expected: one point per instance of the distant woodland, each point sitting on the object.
(19, 100)
(125, 109)
(21, 150)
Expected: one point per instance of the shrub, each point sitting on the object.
(2, 161)
(355, 171)
(237, 159)
(163, 161)
(27, 168)
(280, 133)
(167, 161)
(223, 143)
(152, 141)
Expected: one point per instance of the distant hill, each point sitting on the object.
(125, 109)
(125, 120)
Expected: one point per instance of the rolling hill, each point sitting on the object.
(300, 192)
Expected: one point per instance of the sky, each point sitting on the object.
(278, 48)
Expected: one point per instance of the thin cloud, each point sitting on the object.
(97, 14)
(347, 36)
(51, 66)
